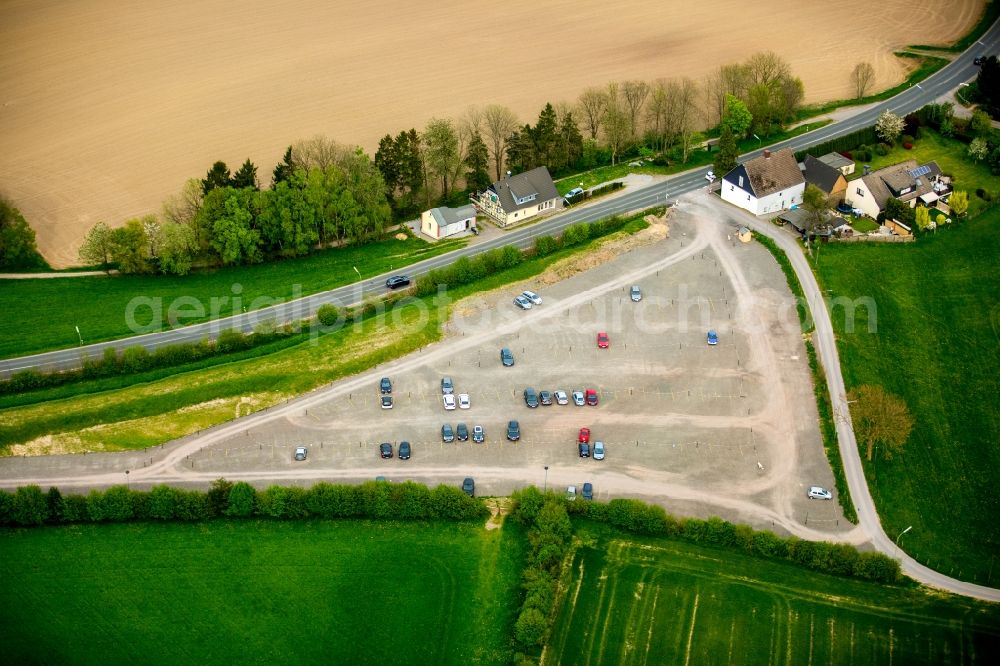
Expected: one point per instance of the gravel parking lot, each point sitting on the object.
(729, 429)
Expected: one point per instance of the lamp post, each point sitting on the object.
(358, 272)
(545, 488)
(759, 142)
(900, 536)
(79, 335)
(127, 484)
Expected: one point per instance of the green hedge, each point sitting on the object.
(29, 506)
(862, 137)
(649, 519)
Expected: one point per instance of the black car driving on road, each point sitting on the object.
(397, 281)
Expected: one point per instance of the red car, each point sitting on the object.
(584, 435)
(590, 395)
(602, 340)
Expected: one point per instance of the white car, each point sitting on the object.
(449, 401)
(635, 293)
(386, 402)
(598, 450)
(710, 176)
(578, 398)
(571, 493)
(522, 302)
(301, 452)
(463, 401)
(816, 492)
(561, 398)
(533, 297)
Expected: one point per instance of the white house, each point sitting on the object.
(766, 184)
(442, 222)
(520, 197)
(906, 181)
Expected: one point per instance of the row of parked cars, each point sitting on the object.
(533, 398)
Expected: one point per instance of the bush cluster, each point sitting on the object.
(641, 518)
(29, 506)
(549, 533)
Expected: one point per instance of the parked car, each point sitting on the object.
(602, 340)
(545, 397)
(447, 386)
(584, 449)
(561, 397)
(506, 357)
(404, 450)
(386, 402)
(461, 432)
(588, 491)
(575, 192)
(713, 338)
(522, 302)
(845, 208)
(397, 281)
(385, 449)
(463, 401)
(584, 435)
(578, 398)
(478, 434)
(469, 486)
(533, 297)
(385, 386)
(447, 434)
(591, 396)
(635, 293)
(979, 60)
(449, 401)
(817, 492)
(571, 493)
(530, 398)
(598, 450)
(513, 431)
(301, 452)
(710, 176)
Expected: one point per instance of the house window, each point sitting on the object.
(860, 192)
(741, 181)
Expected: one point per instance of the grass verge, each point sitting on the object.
(930, 335)
(351, 592)
(51, 308)
(139, 415)
(824, 406)
(635, 600)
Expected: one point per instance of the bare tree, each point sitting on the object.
(862, 78)
(880, 418)
(499, 123)
(181, 208)
(656, 113)
(765, 68)
(617, 126)
(634, 94)
(319, 152)
(682, 117)
(593, 102)
(728, 80)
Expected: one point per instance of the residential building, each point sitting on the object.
(443, 221)
(519, 197)
(766, 184)
(838, 162)
(830, 180)
(906, 181)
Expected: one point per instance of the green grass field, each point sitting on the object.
(937, 345)
(259, 593)
(652, 601)
(42, 313)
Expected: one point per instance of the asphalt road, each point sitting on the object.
(960, 70)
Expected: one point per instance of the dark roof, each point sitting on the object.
(889, 181)
(821, 175)
(836, 160)
(773, 172)
(530, 188)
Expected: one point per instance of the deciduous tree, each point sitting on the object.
(17, 240)
(816, 204)
(616, 123)
(978, 149)
(130, 247)
(725, 158)
(880, 419)
(862, 77)
(959, 202)
(737, 117)
(888, 126)
(177, 247)
(97, 246)
(922, 217)
(634, 94)
(980, 123)
(477, 161)
(593, 103)
(499, 123)
(441, 142)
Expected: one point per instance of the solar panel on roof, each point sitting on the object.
(920, 171)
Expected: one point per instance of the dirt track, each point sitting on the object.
(108, 108)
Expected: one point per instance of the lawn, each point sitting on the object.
(42, 313)
(152, 412)
(937, 345)
(259, 592)
(652, 601)
(953, 158)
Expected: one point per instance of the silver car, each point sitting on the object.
(816, 492)
(561, 397)
(578, 398)
(636, 294)
(533, 297)
(598, 450)
(522, 303)
(300, 453)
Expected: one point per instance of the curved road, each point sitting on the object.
(960, 70)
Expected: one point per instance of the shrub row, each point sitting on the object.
(549, 533)
(29, 506)
(863, 136)
(833, 558)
